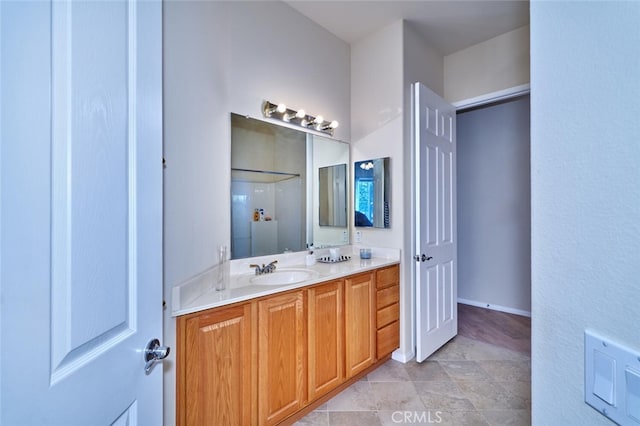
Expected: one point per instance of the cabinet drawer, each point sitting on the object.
(387, 277)
(388, 315)
(388, 339)
(387, 296)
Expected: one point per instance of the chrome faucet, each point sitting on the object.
(264, 269)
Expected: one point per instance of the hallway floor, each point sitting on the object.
(481, 377)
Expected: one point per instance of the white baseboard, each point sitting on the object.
(495, 307)
(403, 357)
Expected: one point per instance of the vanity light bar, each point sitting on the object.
(299, 117)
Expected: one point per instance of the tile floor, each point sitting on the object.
(467, 382)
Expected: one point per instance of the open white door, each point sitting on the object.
(81, 217)
(436, 234)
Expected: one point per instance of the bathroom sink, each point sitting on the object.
(284, 276)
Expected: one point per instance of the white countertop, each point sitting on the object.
(199, 293)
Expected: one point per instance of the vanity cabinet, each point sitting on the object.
(272, 359)
(359, 308)
(325, 320)
(214, 358)
(281, 357)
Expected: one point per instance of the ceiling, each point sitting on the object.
(448, 26)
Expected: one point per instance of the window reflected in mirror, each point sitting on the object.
(372, 187)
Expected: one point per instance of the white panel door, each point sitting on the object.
(436, 241)
(81, 218)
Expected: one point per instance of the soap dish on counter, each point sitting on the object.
(327, 259)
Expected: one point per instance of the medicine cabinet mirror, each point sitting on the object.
(276, 189)
(372, 193)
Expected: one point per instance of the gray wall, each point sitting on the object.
(494, 220)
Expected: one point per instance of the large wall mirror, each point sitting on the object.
(372, 192)
(279, 176)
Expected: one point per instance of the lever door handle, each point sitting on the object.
(154, 353)
(422, 258)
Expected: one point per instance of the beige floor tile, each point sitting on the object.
(426, 371)
(358, 418)
(464, 370)
(462, 348)
(314, 418)
(461, 418)
(357, 397)
(491, 396)
(508, 417)
(507, 370)
(392, 396)
(390, 371)
(443, 396)
(520, 389)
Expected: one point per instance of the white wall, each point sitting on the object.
(376, 81)
(376, 62)
(421, 63)
(223, 57)
(383, 67)
(585, 175)
(494, 208)
(496, 64)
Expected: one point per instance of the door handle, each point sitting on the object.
(154, 353)
(422, 257)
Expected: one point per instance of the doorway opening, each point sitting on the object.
(494, 206)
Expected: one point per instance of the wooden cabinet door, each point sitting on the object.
(281, 357)
(388, 315)
(360, 311)
(214, 367)
(326, 337)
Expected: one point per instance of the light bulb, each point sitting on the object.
(334, 124)
(291, 115)
(319, 119)
(269, 108)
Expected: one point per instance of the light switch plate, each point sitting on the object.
(633, 393)
(612, 379)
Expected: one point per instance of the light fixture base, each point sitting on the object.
(298, 118)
